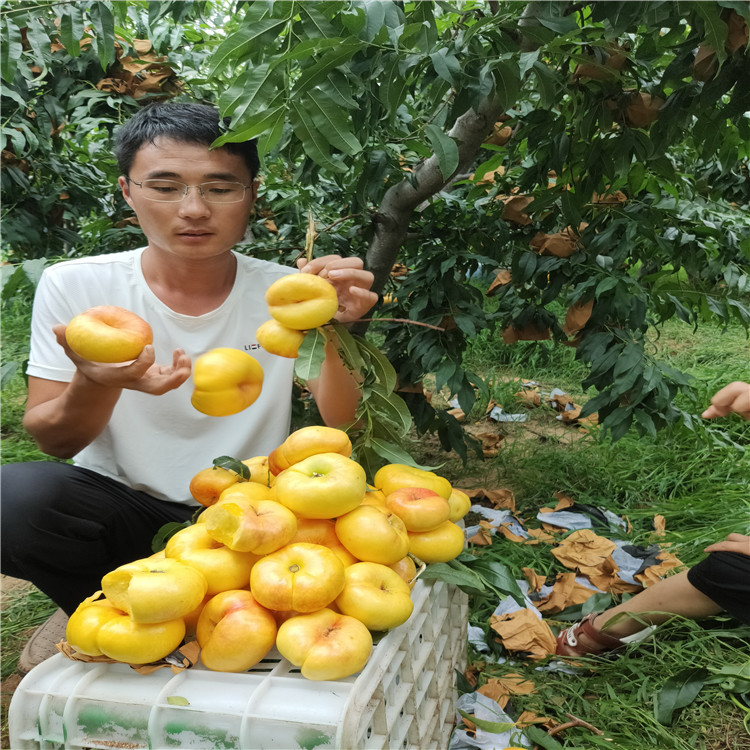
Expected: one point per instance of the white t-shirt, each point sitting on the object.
(158, 443)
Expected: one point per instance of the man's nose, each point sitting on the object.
(194, 204)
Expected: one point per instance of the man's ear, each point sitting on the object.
(122, 181)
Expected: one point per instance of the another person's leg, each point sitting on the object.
(720, 582)
(64, 527)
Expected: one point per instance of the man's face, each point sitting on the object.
(192, 228)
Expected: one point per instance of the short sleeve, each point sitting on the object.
(47, 359)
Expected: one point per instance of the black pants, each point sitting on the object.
(64, 527)
(724, 577)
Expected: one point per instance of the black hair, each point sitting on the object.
(186, 122)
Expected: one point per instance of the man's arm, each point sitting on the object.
(64, 418)
(336, 391)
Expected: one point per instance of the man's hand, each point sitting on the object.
(734, 397)
(733, 543)
(351, 281)
(142, 374)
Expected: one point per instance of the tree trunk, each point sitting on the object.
(400, 201)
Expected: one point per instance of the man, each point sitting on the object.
(134, 438)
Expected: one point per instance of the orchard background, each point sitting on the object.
(558, 190)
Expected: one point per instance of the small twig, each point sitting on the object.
(338, 221)
(310, 236)
(398, 320)
(575, 722)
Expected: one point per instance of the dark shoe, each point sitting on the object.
(581, 639)
(42, 643)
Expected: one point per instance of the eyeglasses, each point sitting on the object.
(171, 191)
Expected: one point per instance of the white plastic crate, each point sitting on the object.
(403, 698)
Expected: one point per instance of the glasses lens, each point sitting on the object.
(167, 191)
(170, 191)
(223, 192)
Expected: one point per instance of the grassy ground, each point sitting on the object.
(698, 484)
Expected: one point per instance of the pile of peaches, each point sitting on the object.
(298, 552)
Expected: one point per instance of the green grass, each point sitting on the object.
(698, 480)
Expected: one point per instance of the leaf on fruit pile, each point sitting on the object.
(233, 464)
(523, 632)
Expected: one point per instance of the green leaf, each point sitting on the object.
(716, 29)
(313, 141)
(395, 455)
(446, 65)
(7, 371)
(232, 464)
(312, 352)
(235, 47)
(10, 50)
(541, 738)
(104, 25)
(268, 124)
(507, 83)
(391, 406)
(679, 691)
(493, 727)
(331, 59)
(163, 535)
(348, 346)
(456, 573)
(498, 576)
(248, 90)
(332, 123)
(381, 365)
(71, 29)
(374, 18)
(445, 150)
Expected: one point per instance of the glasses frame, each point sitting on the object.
(187, 189)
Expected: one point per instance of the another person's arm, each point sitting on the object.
(734, 397)
(733, 543)
(336, 391)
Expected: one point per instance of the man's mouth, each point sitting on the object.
(194, 233)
